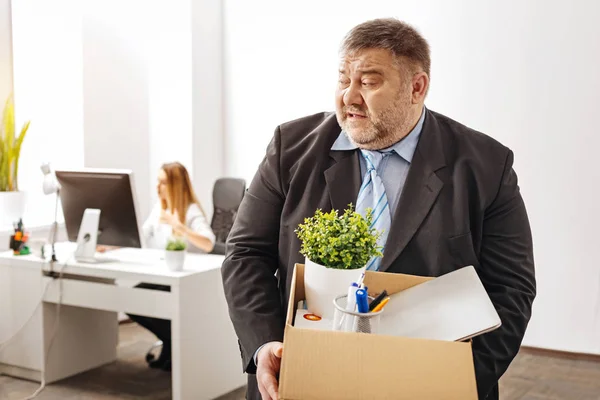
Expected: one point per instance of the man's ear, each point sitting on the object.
(420, 85)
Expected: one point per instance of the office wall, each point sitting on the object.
(152, 91)
(6, 61)
(116, 91)
(48, 91)
(108, 84)
(207, 98)
(524, 72)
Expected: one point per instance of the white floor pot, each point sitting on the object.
(322, 285)
(175, 259)
(12, 207)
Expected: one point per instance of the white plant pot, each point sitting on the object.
(322, 285)
(12, 207)
(175, 259)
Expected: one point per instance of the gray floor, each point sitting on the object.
(532, 376)
(128, 378)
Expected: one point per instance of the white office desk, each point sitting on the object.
(205, 358)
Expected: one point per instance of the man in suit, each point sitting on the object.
(449, 198)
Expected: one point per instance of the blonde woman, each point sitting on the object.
(178, 212)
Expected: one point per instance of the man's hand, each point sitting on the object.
(267, 370)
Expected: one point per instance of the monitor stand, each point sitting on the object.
(87, 238)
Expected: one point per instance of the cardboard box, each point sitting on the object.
(333, 365)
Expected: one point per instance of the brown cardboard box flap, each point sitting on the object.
(337, 365)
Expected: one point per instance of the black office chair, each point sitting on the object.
(227, 196)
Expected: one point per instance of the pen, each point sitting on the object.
(361, 301)
(377, 300)
(350, 305)
(380, 306)
(360, 280)
(351, 299)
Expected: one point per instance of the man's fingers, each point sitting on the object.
(271, 385)
(267, 385)
(263, 393)
(278, 350)
(268, 369)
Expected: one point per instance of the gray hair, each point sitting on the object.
(404, 41)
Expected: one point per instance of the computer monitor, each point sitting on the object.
(110, 191)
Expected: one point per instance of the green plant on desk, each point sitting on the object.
(176, 244)
(10, 148)
(335, 241)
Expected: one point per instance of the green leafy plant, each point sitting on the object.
(344, 241)
(10, 148)
(176, 244)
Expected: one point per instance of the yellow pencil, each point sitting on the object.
(381, 305)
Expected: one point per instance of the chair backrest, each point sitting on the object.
(227, 196)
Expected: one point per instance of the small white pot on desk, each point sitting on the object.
(322, 285)
(175, 259)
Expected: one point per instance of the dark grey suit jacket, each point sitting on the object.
(460, 206)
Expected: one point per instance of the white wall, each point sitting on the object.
(116, 92)
(524, 72)
(48, 91)
(170, 86)
(6, 60)
(152, 90)
(133, 75)
(207, 101)
(138, 88)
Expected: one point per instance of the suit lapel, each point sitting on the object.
(420, 191)
(343, 179)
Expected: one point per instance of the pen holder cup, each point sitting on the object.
(351, 321)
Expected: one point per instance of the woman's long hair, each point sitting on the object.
(179, 190)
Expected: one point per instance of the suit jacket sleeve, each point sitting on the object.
(251, 288)
(507, 272)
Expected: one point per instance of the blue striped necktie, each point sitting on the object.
(372, 195)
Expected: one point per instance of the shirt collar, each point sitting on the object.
(405, 148)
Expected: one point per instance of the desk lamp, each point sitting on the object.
(51, 186)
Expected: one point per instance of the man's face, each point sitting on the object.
(374, 99)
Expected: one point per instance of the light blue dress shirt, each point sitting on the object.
(393, 169)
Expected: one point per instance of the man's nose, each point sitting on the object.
(353, 95)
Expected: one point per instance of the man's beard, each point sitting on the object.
(378, 131)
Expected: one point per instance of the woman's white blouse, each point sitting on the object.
(156, 234)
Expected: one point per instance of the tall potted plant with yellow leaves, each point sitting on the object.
(12, 201)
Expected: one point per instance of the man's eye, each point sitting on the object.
(368, 83)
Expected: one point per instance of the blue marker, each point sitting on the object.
(362, 301)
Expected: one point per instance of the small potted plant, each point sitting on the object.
(337, 249)
(175, 253)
